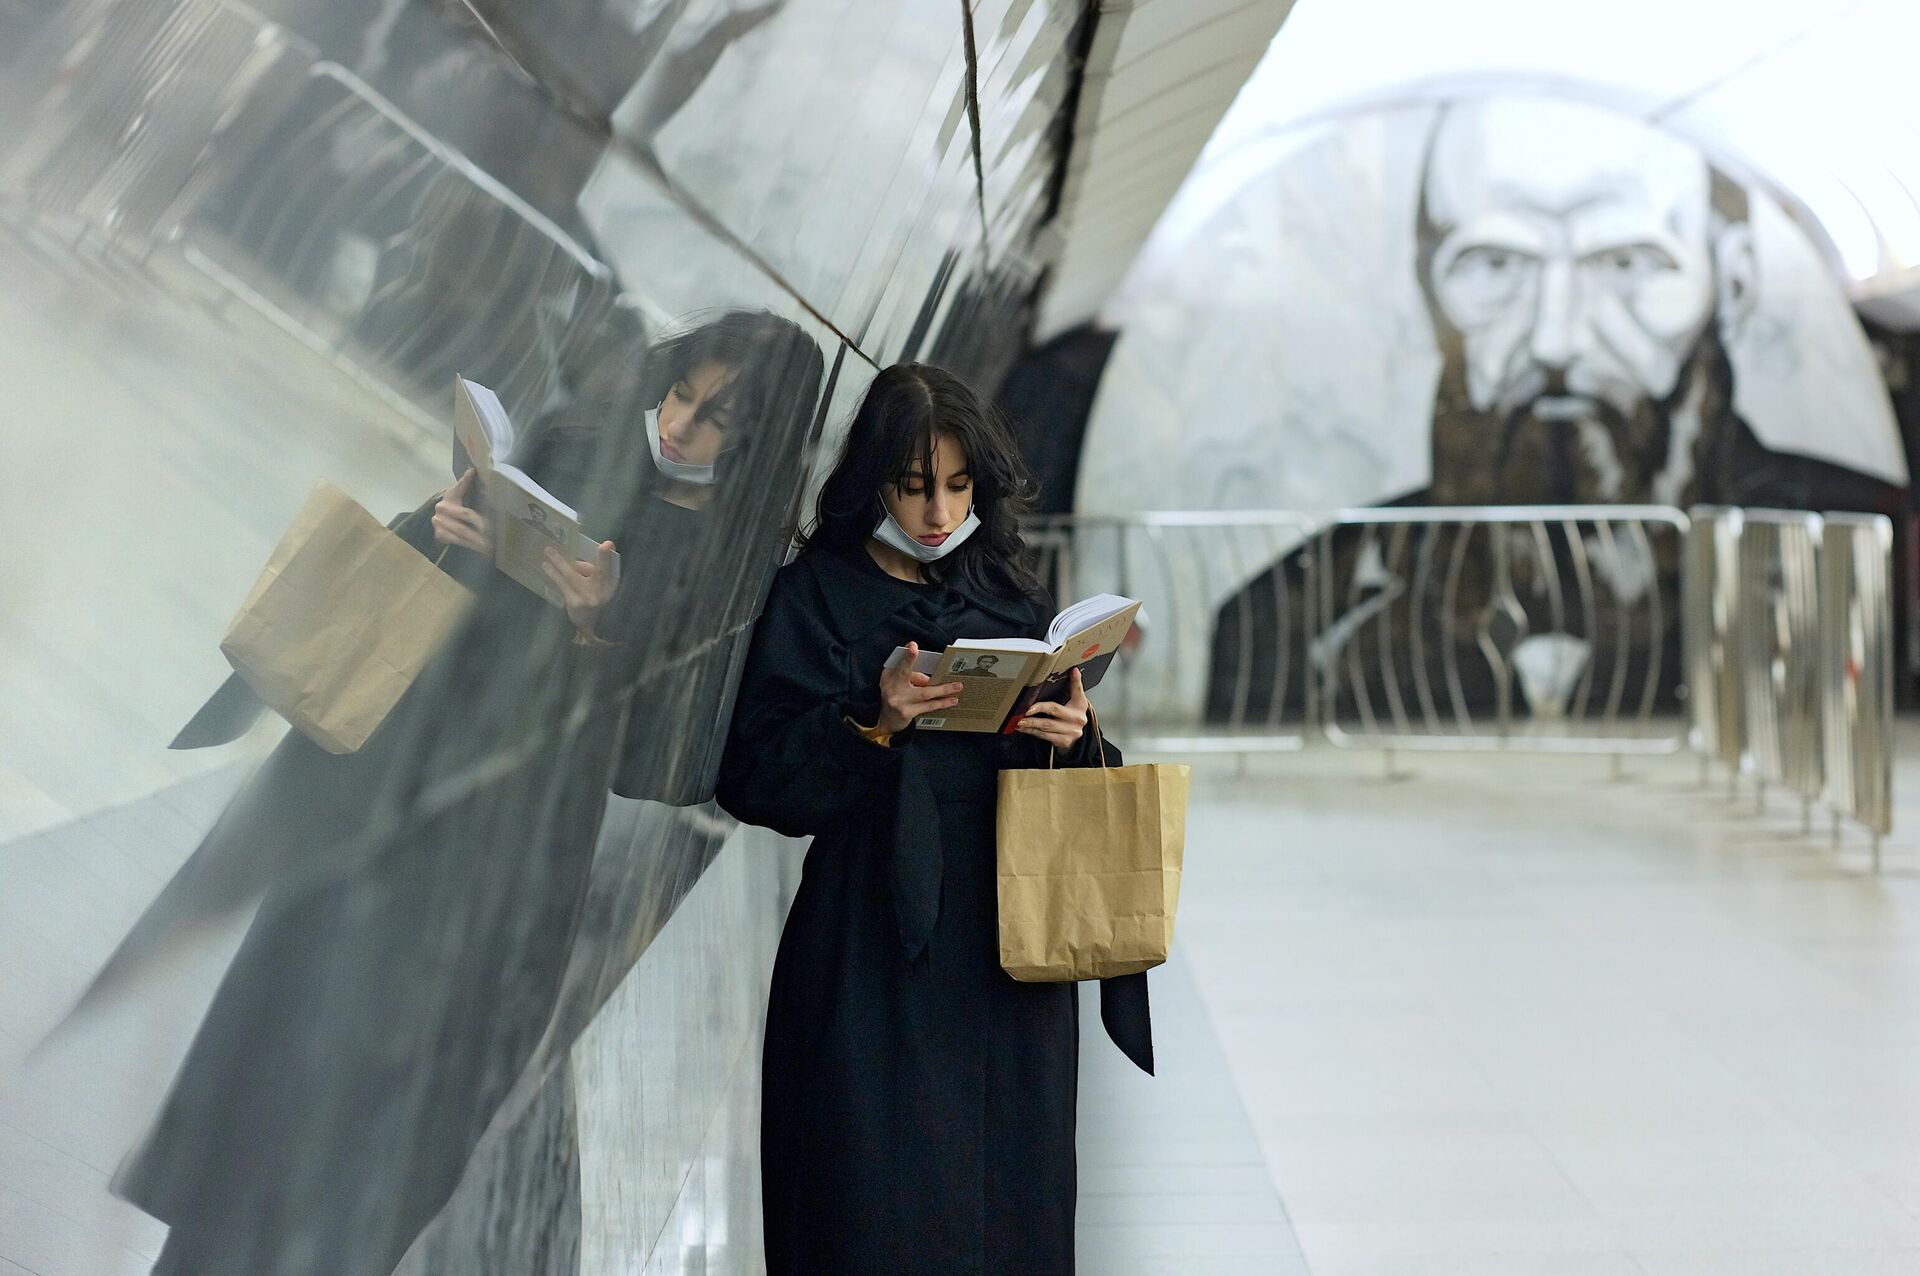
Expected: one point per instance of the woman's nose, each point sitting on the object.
(939, 508)
(672, 418)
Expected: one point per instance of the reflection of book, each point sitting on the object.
(1005, 677)
(482, 434)
(526, 517)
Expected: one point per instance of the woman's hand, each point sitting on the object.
(457, 523)
(1060, 725)
(905, 694)
(584, 587)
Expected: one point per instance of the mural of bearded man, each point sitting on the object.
(1585, 273)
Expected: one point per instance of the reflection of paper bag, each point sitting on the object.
(342, 619)
(1089, 869)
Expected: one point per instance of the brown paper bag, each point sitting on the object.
(342, 619)
(1089, 866)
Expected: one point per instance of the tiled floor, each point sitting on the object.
(1172, 1182)
(1515, 1018)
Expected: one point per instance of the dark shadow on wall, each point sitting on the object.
(1048, 396)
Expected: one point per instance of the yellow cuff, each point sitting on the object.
(874, 734)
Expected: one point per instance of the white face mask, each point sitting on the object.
(890, 533)
(678, 471)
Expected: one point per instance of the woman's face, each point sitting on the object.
(690, 432)
(931, 507)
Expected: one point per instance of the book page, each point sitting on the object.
(1096, 642)
(993, 677)
(482, 432)
(1084, 615)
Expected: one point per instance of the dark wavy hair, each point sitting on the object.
(892, 438)
(771, 394)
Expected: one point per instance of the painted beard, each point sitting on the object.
(1554, 448)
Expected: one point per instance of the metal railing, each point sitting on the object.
(1791, 638)
(1215, 661)
(298, 189)
(1711, 584)
(1761, 638)
(1522, 628)
(118, 149)
(1856, 670)
(1777, 650)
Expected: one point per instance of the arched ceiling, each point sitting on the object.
(1812, 97)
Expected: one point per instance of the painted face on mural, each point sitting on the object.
(1577, 268)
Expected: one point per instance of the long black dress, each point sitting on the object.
(396, 980)
(918, 1102)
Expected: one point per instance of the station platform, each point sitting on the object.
(1506, 1017)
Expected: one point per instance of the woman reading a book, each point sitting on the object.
(425, 890)
(918, 1103)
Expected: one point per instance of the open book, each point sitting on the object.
(526, 517)
(1005, 677)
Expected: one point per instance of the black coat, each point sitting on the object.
(918, 1102)
(399, 973)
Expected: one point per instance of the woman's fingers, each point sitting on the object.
(924, 696)
(461, 525)
(913, 701)
(452, 531)
(1056, 736)
(1079, 697)
(576, 585)
(455, 497)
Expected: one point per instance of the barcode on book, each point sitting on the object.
(933, 722)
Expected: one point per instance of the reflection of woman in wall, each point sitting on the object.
(405, 962)
(918, 1103)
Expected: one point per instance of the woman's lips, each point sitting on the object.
(934, 538)
(671, 452)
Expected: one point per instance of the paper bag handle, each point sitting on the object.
(1099, 745)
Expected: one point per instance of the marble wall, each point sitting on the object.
(554, 200)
